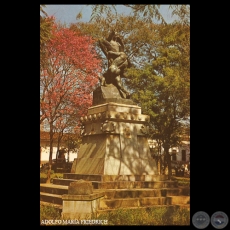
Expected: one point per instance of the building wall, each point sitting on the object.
(45, 146)
(178, 151)
(46, 151)
(187, 153)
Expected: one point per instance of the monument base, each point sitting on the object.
(114, 138)
(116, 154)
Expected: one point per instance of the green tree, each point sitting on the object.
(46, 24)
(162, 88)
(138, 36)
(147, 12)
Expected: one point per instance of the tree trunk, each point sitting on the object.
(164, 163)
(48, 174)
(40, 154)
(169, 165)
(57, 155)
(166, 147)
(51, 154)
(161, 165)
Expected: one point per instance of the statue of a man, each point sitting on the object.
(113, 48)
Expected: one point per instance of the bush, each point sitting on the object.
(49, 213)
(150, 216)
(43, 176)
(182, 181)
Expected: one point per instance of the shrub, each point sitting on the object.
(49, 213)
(150, 216)
(43, 176)
(182, 181)
(155, 216)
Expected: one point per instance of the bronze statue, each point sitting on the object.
(113, 48)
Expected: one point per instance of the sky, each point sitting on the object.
(67, 13)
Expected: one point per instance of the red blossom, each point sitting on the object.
(70, 75)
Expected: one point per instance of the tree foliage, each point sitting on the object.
(46, 24)
(67, 78)
(162, 88)
(138, 36)
(160, 55)
(70, 73)
(147, 12)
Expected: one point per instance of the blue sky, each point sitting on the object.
(67, 13)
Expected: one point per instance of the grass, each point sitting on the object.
(49, 213)
(150, 216)
(43, 176)
(182, 181)
(155, 216)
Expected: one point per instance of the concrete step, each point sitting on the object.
(121, 184)
(104, 178)
(139, 193)
(133, 202)
(134, 184)
(184, 190)
(64, 182)
(74, 176)
(114, 203)
(183, 200)
(51, 198)
(54, 189)
(51, 194)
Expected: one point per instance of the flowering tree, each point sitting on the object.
(67, 77)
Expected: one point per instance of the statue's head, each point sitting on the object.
(114, 33)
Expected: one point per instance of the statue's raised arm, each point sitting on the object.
(112, 43)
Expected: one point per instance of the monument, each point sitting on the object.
(114, 168)
(114, 131)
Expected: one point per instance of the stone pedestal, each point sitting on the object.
(114, 137)
(80, 206)
(109, 93)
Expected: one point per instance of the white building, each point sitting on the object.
(179, 154)
(45, 152)
(45, 149)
